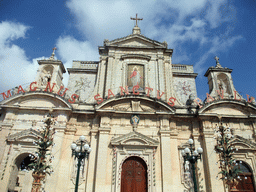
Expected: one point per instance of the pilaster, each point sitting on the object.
(210, 167)
(90, 184)
(101, 77)
(101, 162)
(169, 156)
(109, 74)
(64, 173)
(161, 75)
(52, 181)
(168, 81)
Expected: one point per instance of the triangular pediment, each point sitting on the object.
(28, 135)
(136, 41)
(134, 139)
(242, 143)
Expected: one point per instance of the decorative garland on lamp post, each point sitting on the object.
(40, 165)
(227, 163)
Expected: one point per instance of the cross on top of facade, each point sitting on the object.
(137, 19)
(54, 48)
(217, 62)
(52, 56)
(217, 59)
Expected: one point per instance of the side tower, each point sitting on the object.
(50, 70)
(221, 83)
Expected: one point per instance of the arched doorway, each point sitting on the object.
(246, 183)
(20, 179)
(134, 175)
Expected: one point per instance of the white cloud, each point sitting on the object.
(16, 68)
(214, 16)
(70, 49)
(176, 21)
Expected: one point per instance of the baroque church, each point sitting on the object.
(137, 111)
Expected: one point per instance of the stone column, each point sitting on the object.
(90, 184)
(101, 166)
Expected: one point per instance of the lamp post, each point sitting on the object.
(192, 156)
(80, 152)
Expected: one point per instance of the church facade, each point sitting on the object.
(137, 111)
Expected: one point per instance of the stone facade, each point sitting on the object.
(134, 76)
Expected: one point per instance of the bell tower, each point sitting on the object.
(50, 70)
(221, 83)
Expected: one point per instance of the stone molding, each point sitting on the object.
(137, 56)
(130, 145)
(135, 139)
(168, 133)
(244, 144)
(104, 130)
(26, 133)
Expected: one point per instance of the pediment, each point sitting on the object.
(134, 139)
(37, 100)
(135, 41)
(229, 108)
(242, 143)
(28, 135)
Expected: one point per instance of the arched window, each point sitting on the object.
(246, 182)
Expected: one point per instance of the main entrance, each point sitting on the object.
(134, 175)
(246, 182)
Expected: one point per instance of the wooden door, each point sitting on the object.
(134, 175)
(246, 183)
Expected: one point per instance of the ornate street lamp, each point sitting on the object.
(192, 157)
(80, 152)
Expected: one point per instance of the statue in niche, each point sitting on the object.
(222, 86)
(46, 78)
(186, 166)
(81, 174)
(188, 182)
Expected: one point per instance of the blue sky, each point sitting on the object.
(197, 30)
